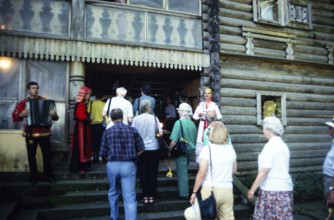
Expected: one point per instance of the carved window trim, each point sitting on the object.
(289, 12)
(254, 33)
(262, 96)
(165, 6)
(300, 14)
(281, 7)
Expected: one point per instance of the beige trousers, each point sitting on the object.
(224, 203)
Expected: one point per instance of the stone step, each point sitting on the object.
(172, 209)
(168, 215)
(97, 171)
(8, 209)
(166, 193)
(100, 208)
(73, 185)
(241, 213)
(85, 196)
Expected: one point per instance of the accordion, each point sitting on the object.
(40, 112)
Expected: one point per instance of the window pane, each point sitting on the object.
(9, 77)
(9, 84)
(191, 6)
(6, 108)
(58, 127)
(51, 77)
(269, 10)
(46, 74)
(149, 3)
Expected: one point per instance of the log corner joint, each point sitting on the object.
(330, 49)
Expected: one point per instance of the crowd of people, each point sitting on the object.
(130, 147)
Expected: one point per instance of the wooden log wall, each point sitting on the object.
(313, 43)
(309, 93)
(294, 60)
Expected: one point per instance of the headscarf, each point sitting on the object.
(82, 92)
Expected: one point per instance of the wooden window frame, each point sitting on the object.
(282, 10)
(259, 105)
(288, 14)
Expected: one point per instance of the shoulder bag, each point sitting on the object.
(104, 119)
(181, 147)
(163, 146)
(208, 205)
(137, 112)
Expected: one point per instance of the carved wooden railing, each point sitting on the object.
(101, 21)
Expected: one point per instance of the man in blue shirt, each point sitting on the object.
(170, 112)
(328, 170)
(121, 144)
(145, 91)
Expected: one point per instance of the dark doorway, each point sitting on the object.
(181, 85)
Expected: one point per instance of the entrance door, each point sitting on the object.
(180, 85)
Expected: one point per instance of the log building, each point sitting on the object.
(261, 57)
(278, 53)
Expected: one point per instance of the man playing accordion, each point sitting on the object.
(36, 131)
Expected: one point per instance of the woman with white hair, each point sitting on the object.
(118, 102)
(189, 133)
(275, 196)
(148, 162)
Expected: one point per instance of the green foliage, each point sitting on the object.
(307, 185)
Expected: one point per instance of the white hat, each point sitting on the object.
(185, 107)
(330, 123)
(193, 212)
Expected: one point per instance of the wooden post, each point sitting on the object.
(77, 80)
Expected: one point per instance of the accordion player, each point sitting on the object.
(40, 112)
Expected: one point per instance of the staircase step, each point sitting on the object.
(102, 208)
(8, 209)
(85, 196)
(97, 172)
(240, 213)
(102, 195)
(26, 214)
(175, 215)
(63, 186)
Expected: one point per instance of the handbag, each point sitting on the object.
(104, 122)
(137, 112)
(181, 147)
(105, 119)
(208, 205)
(163, 146)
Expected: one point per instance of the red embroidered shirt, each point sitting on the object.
(35, 131)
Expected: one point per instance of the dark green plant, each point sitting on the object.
(307, 185)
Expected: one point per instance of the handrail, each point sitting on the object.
(243, 189)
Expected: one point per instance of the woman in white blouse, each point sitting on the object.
(223, 166)
(275, 197)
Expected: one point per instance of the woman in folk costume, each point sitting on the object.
(201, 111)
(81, 139)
